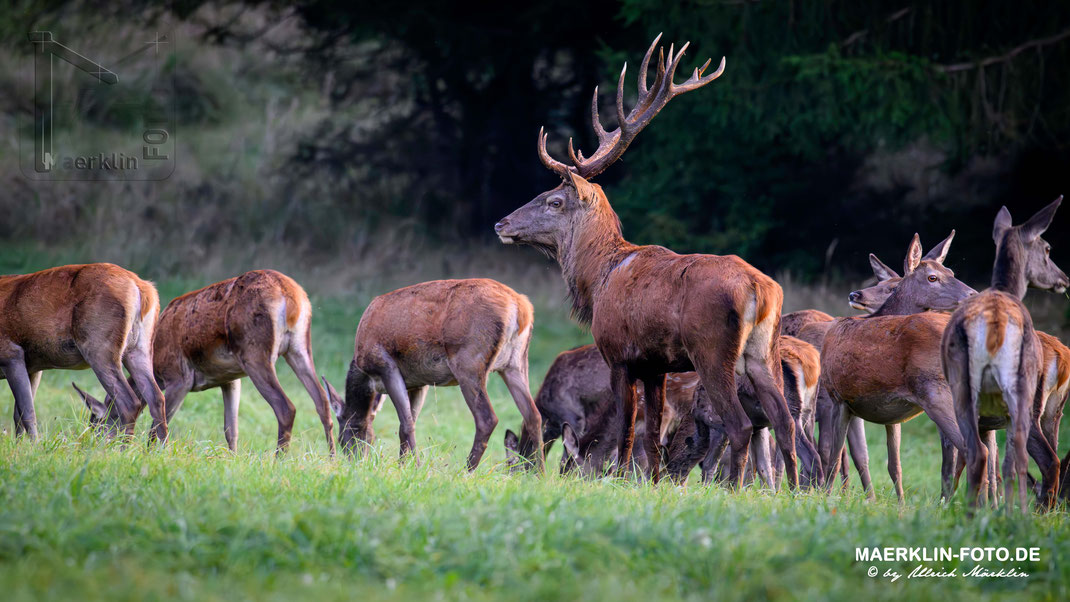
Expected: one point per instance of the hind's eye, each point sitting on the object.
(933, 278)
(555, 203)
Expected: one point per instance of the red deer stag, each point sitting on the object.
(992, 358)
(73, 317)
(885, 367)
(652, 311)
(214, 336)
(440, 333)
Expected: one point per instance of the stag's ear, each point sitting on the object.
(881, 271)
(97, 409)
(512, 442)
(939, 252)
(584, 189)
(913, 255)
(570, 441)
(1040, 222)
(1003, 223)
(334, 397)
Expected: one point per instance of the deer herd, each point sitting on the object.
(727, 382)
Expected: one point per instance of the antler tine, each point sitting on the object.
(596, 123)
(572, 153)
(552, 164)
(646, 97)
(611, 145)
(697, 80)
(646, 63)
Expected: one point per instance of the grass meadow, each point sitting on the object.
(81, 518)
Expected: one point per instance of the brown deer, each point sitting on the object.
(214, 336)
(96, 316)
(811, 325)
(652, 311)
(885, 367)
(992, 358)
(440, 333)
(576, 391)
(801, 367)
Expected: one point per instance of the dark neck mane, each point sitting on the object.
(1008, 272)
(588, 253)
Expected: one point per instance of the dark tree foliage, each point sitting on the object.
(839, 127)
(841, 124)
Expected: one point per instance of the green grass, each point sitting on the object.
(82, 519)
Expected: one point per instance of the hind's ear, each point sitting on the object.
(1040, 221)
(939, 252)
(1002, 224)
(512, 442)
(333, 397)
(96, 408)
(570, 441)
(881, 271)
(914, 254)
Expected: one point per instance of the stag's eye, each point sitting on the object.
(555, 203)
(933, 278)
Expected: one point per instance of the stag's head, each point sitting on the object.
(1023, 244)
(870, 299)
(105, 416)
(549, 222)
(926, 284)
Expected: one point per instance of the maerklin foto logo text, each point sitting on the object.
(100, 162)
(937, 554)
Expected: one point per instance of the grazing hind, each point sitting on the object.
(440, 333)
(73, 317)
(214, 336)
(992, 358)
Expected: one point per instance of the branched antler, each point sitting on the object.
(611, 145)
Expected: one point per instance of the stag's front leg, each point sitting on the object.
(624, 391)
(654, 396)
